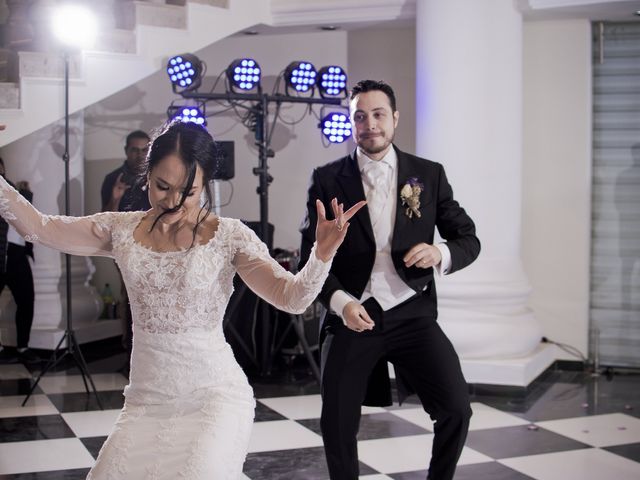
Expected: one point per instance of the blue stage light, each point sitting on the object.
(185, 72)
(300, 76)
(336, 127)
(332, 81)
(244, 74)
(188, 113)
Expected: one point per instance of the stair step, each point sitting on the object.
(116, 41)
(9, 95)
(156, 15)
(213, 3)
(48, 65)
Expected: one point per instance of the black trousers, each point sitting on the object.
(416, 344)
(19, 279)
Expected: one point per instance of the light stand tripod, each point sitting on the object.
(72, 346)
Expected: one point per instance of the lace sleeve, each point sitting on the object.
(75, 235)
(268, 279)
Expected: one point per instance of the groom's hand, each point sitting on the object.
(422, 255)
(356, 317)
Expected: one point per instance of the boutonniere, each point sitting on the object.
(410, 196)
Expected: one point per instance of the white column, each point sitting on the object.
(37, 158)
(469, 118)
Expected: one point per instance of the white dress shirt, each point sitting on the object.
(384, 283)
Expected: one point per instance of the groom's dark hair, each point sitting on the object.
(368, 85)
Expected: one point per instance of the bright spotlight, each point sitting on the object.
(244, 74)
(185, 72)
(336, 127)
(188, 113)
(332, 81)
(74, 25)
(300, 76)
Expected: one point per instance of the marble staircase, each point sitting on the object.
(136, 39)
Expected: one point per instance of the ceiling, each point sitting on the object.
(532, 10)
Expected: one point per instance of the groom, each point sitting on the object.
(381, 295)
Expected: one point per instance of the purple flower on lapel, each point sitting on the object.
(410, 196)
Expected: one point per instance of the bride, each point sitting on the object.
(188, 408)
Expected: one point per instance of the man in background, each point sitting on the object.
(123, 191)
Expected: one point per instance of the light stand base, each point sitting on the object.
(48, 338)
(73, 350)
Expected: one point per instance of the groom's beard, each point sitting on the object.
(372, 144)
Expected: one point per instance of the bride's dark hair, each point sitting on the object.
(194, 145)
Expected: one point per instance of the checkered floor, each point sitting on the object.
(573, 427)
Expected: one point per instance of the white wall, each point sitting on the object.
(298, 148)
(389, 54)
(557, 176)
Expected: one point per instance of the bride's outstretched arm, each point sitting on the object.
(288, 292)
(270, 281)
(75, 235)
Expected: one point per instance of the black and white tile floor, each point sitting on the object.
(570, 427)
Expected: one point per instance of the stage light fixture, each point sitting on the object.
(188, 113)
(74, 25)
(185, 72)
(300, 76)
(332, 81)
(336, 127)
(244, 74)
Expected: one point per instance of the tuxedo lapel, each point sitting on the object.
(408, 232)
(402, 222)
(351, 183)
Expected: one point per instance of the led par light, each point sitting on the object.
(244, 74)
(300, 77)
(185, 72)
(332, 81)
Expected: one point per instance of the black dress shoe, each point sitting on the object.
(28, 357)
(8, 356)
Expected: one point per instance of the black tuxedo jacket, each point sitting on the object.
(134, 199)
(354, 260)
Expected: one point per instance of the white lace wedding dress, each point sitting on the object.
(188, 407)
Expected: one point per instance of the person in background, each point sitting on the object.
(123, 191)
(15, 273)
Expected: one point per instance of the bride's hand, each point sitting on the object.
(331, 233)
